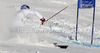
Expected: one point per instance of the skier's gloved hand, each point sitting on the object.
(43, 19)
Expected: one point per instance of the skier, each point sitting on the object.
(23, 13)
(20, 16)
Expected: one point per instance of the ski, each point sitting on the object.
(63, 46)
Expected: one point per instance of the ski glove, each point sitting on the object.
(43, 20)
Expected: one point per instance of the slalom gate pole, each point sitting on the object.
(93, 22)
(57, 13)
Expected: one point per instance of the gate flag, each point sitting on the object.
(86, 3)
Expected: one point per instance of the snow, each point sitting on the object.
(37, 38)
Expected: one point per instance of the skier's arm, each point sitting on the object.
(36, 13)
(39, 15)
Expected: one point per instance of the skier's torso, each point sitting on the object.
(23, 14)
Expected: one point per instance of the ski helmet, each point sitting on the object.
(25, 7)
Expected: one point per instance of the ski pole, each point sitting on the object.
(57, 13)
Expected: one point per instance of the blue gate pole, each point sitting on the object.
(93, 23)
(77, 21)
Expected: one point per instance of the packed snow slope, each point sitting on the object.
(60, 29)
